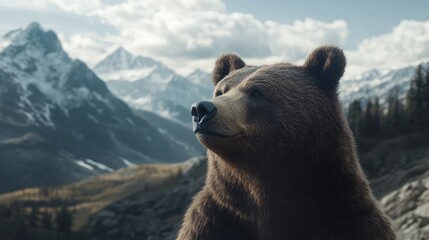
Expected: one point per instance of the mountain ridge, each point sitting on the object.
(381, 83)
(56, 113)
(153, 87)
(121, 60)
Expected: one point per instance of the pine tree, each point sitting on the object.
(47, 220)
(394, 120)
(21, 231)
(33, 216)
(367, 121)
(64, 219)
(425, 93)
(416, 99)
(376, 118)
(354, 116)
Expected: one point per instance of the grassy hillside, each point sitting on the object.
(86, 199)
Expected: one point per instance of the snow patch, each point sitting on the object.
(128, 163)
(163, 131)
(98, 165)
(82, 164)
(130, 121)
(4, 43)
(127, 75)
(94, 119)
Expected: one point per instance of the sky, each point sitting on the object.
(190, 34)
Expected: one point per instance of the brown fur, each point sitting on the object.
(226, 64)
(282, 165)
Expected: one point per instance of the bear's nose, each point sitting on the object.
(202, 111)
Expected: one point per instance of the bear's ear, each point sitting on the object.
(226, 64)
(328, 64)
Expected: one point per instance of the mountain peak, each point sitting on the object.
(121, 49)
(34, 25)
(122, 60)
(35, 36)
(122, 53)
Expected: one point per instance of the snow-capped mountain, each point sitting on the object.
(60, 123)
(378, 83)
(121, 65)
(149, 85)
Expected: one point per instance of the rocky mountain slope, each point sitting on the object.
(60, 123)
(147, 84)
(398, 170)
(174, 131)
(409, 206)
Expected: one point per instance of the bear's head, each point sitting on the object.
(264, 112)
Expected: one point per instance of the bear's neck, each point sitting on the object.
(321, 183)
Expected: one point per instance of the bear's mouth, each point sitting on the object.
(206, 132)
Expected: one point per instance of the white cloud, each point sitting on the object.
(406, 43)
(187, 32)
(75, 6)
(89, 47)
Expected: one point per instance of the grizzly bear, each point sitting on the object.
(282, 159)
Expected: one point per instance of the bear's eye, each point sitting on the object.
(256, 93)
(218, 93)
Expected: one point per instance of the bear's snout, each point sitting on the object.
(202, 111)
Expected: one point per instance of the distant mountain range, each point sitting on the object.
(378, 83)
(147, 84)
(59, 122)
